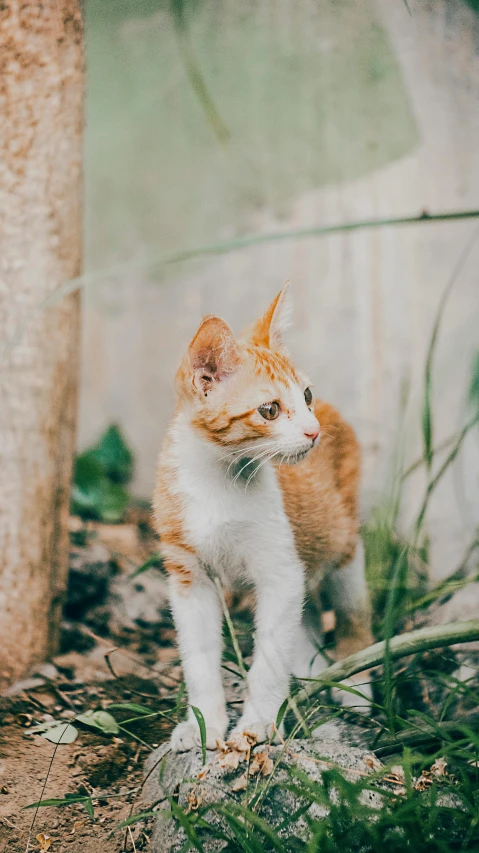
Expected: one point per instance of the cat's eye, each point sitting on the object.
(269, 411)
(308, 396)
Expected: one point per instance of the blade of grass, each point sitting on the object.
(185, 823)
(231, 629)
(193, 71)
(201, 722)
(389, 621)
(427, 422)
(153, 562)
(433, 483)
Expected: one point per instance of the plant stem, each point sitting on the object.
(229, 622)
(235, 244)
(412, 643)
(412, 737)
(442, 470)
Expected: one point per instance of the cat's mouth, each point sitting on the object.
(294, 458)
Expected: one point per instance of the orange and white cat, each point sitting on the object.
(247, 490)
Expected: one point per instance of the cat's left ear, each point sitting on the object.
(269, 330)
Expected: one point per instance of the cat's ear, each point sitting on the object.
(213, 354)
(269, 330)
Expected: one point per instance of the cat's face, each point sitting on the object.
(245, 394)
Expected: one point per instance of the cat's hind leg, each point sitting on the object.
(347, 592)
(308, 662)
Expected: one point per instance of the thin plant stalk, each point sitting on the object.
(231, 629)
(411, 643)
(222, 248)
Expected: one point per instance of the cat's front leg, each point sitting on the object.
(279, 585)
(198, 619)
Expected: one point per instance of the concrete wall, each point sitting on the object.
(391, 128)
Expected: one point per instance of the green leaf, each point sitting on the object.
(201, 722)
(113, 455)
(185, 822)
(427, 423)
(154, 561)
(89, 807)
(88, 477)
(100, 720)
(131, 706)
(56, 732)
(259, 824)
(113, 502)
(135, 818)
(93, 495)
(474, 383)
(70, 800)
(282, 712)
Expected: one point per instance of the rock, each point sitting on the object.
(185, 777)
(47, 670)
(458, 607)
(21, 686)
(74, 638)
(137, 602)
(121, 540)
(239, 771)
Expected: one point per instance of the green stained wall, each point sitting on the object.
(310, 92)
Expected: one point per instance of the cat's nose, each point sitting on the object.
(312, 434)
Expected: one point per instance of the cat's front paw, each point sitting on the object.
(261, 730)
(187, 736)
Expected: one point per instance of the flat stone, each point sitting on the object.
(184, 776)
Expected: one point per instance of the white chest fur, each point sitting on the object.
(234, 526)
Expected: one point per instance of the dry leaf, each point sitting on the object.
(267, 767)
(230, 760)
(44, 841)
(262, 764)
(373, 763)
(241, 742)
(203, 772)
(400, 790)
(397, 772)
(439, 767)
(241, 783)
(194, 802)
(251, 737)
(235, 750)
(422, 783)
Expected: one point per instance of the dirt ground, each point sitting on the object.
(117, 647)
(106, 767)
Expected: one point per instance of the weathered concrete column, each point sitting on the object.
(41, 91)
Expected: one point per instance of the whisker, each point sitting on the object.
(241, 450)
(250, 462)
(268, 459)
